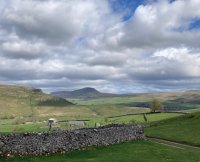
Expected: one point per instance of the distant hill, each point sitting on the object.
(87, 92)
(21, 100)
(192, 97)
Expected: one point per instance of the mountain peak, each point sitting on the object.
(86, 92)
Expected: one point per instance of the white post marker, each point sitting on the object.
(50, 123)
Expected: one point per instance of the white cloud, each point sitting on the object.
(162, 24)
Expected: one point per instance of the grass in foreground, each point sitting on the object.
(185, 129)
(136, 151)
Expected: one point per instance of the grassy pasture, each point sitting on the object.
(185, 129)
(114, 110)
(144, 100)
(128, 99)
(39, 126)
(192, 110)
(111, 100)
(36, 127)
(151, 117)
(137, 118)
(135, 151)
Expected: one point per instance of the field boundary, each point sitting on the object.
(176, 112)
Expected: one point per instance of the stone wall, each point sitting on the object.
(35, 144)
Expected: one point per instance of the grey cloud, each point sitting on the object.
(55, 21)
(168, 64)
(38, 21)
(23, 50)
(107, 59)
(52, 69)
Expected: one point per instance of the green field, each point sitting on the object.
(140, 118)
(135, 151)
(137, 118)
(191, 110)
(185, 129)
(10, 125)
(143, 101)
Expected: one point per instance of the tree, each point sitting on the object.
(156, 106)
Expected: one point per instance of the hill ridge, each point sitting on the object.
(87, 92)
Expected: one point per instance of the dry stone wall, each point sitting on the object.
(36, 144)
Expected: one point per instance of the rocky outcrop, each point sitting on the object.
(36, 144)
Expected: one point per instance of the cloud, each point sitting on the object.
(167, 64)
(160, 24)
(55, 21)
(105, 58)
(58, 44)
(23, 49)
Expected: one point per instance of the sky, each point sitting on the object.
(116, 46)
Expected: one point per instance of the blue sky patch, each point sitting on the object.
(195, 24)
(192, 25)
(126, 7)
